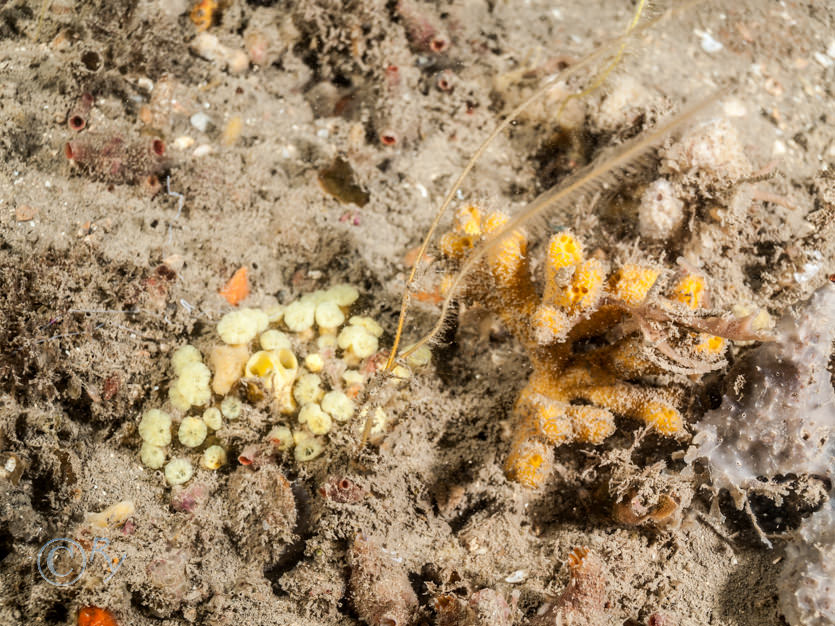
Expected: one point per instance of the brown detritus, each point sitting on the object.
(380, 588)
(261, 512)
(111, 159)
(339, 180)
(11, 467)
(648, 496)
(78, 115)
(633, 511)
(342, 490)
(151, 185)
(484, 608)
(156, 286)
(583, 601)
(111, 387)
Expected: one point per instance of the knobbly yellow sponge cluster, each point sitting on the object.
(302, 365)
(583, 338)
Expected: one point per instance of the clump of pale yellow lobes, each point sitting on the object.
(359, 340)
(155, 427)
(191, 387)
(267, 345)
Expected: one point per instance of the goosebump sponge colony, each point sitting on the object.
(303, 364)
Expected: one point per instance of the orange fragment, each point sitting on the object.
(237, 288)
(202, 14)
(94, 616)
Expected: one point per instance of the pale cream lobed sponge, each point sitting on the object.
(214, 457)
(240, 327)
(299, 315)
(193, 384)
(192, 432)
(343, 295)
(213, 418)
(273, 339)
(357, 342)
(155, 427)
(178, 471)
(152, 456)
(231, 407)
(315, 418)
(113, 515)
(183, 356)
(338, 405)
(308, 389)
(329, 316)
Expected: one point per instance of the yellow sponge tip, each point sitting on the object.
(690, 291)
(631, 283)
(564, 250)
(529, 463)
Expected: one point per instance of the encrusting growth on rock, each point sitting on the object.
(573, 394)
(583, 601)
(483, 608)
(380, 588)
(262, 512)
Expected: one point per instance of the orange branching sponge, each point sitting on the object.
(237, 288)
(628, 331)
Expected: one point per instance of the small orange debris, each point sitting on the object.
(237, 288)
(94, 616)
(202, 14)
(411, 257)
(25, 213)
(430, 297)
